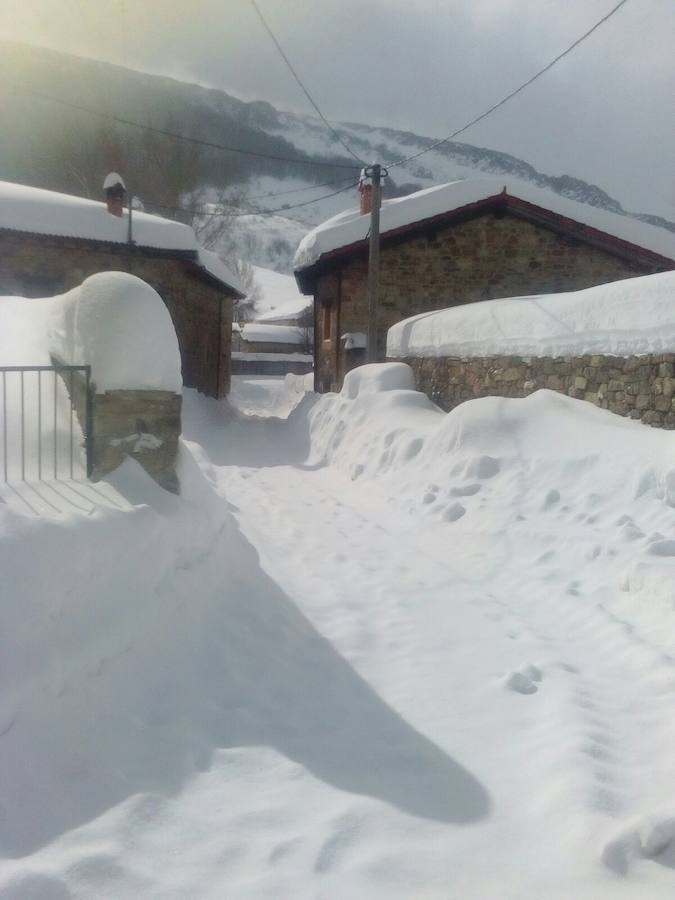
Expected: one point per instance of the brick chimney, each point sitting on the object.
(115, 190)
(366, 192)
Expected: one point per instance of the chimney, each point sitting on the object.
(366, 192)
(115, 190)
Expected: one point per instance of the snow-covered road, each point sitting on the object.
(499, 640)
(372, 651)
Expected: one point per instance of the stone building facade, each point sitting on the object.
(500, 248)
(639, 387)
(39, 265)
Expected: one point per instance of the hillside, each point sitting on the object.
(216, 116)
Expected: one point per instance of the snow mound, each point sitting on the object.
(376, 378)
(380, 428)
(351, 227)
(120, 326)
(624, 318)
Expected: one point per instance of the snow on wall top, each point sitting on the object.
(39, 211)
(350, 227)
(272, 334)
(624, 318)
(120, 326)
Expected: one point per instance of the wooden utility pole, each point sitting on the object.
(374, 172)
(130, 233)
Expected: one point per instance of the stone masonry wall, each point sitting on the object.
(494, 255)
(640, 387)
(42, 266)
(145, 425)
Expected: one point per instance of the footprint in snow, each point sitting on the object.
(651, 839)
(662, 548)
(551, 499)
(464, 490)
(524, 680)
(453, 512)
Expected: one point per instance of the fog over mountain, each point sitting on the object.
(603, 114)
(55, 146)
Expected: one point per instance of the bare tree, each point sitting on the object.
(245, 309)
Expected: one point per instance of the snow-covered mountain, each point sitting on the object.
(300, 195)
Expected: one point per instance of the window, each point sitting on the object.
(327, 322)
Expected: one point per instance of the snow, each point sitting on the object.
(274, 334)
(281, 301)
(117, 324)
(215, 266)
(350, 227)
(112, 179)
(113, 322)
(623, 318)
(373, 650)
(265, 395)
(38, 211)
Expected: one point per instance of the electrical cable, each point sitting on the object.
(181, 137)
(513, 93)
(253, 212)
(302, 86)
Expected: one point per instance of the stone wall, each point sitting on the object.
(494, 255)
(145, 425)
(42, 266)
(640, 387)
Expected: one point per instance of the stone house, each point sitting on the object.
(461, 243)
(50, 242)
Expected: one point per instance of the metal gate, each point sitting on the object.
(46, 422)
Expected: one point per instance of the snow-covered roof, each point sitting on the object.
(255, 332)
(39, 211)
(624, 318)
(351, 227)
(286, 313)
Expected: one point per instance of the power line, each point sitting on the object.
(180, 137)
(513, 93)
(254, 212)
(298, 190)
(302, 86)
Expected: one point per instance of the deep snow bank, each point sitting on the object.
(380, 428)
(120, 326)
(623, 318)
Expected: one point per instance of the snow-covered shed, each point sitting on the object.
(259, 337)
(51, 242)
(463, 242)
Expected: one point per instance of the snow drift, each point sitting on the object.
(121, 327)
(624, 318)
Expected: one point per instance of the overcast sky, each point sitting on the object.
(606, 113)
